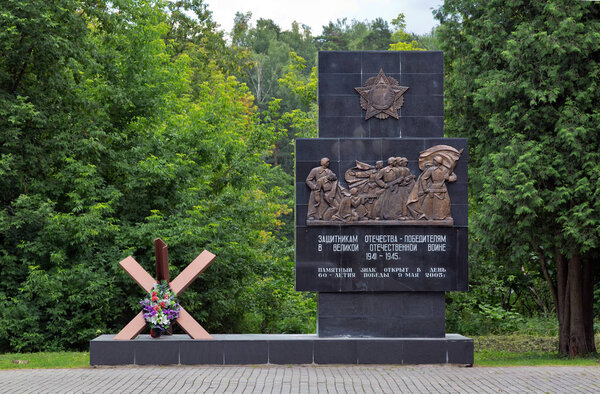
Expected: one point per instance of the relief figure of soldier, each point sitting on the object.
(316, 206)
(331, 197)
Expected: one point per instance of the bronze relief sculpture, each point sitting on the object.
(385, 195)
(381, 96)
(315, 180)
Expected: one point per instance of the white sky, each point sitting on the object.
(316, 13)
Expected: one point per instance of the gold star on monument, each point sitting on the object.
(381, 96)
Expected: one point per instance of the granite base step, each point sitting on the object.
(280, 349)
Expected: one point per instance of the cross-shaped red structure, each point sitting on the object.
(179, 284)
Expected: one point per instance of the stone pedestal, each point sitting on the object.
(279, 349)
(381, 279)
(384, 315)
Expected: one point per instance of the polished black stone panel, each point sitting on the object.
(459, 190)
(302, 192)
(312, 149)
(420, 126)
(339, 84)
(281, 349)
(395, 265)
(105, 351)
(340, 114)
(339, 62)
(339, 106)
(424, 326)
(347, 127)
(201, 352)
(291, 352)
(335, 352)
(385, 128)
(422, 62)
(423, 106)
(360, 149)
(382, 293)
(404, 147)
(358, 127)
(408, 258)
(459, 351)
(460, 214)
(373, 61)
(424, 352)
(380, 352)
(462, 271)
(423, 84)
(301, 212)
(159, 352)
(384, 315)
(369, 62)
(246, 352)
(366, 76)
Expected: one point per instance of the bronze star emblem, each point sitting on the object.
(381, 96)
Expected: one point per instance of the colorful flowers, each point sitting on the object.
(160, 313)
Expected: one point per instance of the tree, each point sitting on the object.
(355, 36)
(401, 40)
(268, 48)
(112, 135)
(522, 86)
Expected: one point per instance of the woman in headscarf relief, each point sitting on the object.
(388, 205)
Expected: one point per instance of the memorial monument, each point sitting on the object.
(381, 231)
(381, 205)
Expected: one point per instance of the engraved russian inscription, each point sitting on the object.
(392, 258)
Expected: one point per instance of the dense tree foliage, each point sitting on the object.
(522, 82)
(123, 121)
(355, 35)
(401, 40)
(119, 125)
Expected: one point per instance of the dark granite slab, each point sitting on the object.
(340, 114)
(280, 349)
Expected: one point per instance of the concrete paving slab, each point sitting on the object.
(303, 379)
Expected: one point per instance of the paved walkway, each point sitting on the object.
(303, 379)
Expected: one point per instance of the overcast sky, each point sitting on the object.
(316, 13)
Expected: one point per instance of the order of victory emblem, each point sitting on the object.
(382, 96)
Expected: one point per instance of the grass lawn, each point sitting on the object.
(45, 360)
(518, 349)
(491, 358)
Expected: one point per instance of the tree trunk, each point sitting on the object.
(562, 303)
(575, 285)
(588, 303)
(577, 338)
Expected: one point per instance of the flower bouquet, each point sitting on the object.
(160, 308)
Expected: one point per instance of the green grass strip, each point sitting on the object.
(45, 360)
(496, 358)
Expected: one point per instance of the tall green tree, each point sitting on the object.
(112, 133)
(402, 40)
(355, 35)
(268, 47)
(522, 85)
